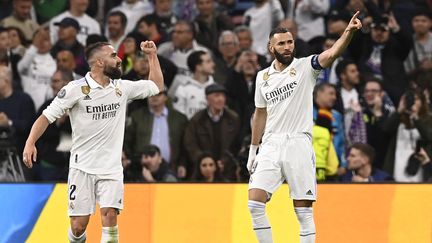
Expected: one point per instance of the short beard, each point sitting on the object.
(113, 72)
(284, 60)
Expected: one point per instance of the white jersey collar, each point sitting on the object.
(93, 84)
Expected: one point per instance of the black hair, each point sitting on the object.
(278, 30)
(366, 149)
(91, 49)
(195, 59)
(122, 16)
(342, 65)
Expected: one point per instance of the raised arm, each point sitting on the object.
(327, 57)
(155, 74)
(30, 152)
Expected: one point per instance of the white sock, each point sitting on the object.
(307, 224)
(109, 234)
(74, 239)
(260, 222)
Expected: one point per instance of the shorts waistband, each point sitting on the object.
(289, 135)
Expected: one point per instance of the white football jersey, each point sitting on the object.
(287, 95)
(97, 116)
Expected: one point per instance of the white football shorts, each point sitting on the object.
(84, 190)
(284, 157)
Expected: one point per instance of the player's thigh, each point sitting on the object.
(266, 173)
(110, 193)
(299, 170)
(81, 196)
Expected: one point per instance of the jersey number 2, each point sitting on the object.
(72, 190)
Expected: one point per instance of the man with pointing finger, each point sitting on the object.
(97, 109)
(283, 120)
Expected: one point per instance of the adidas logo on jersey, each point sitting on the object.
(309, 193)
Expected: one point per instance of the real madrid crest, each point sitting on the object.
(86, 90)
(292, 72)
(266, 76)
(118, 92)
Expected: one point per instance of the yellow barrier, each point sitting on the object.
(218, 213)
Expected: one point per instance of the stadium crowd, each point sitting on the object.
(372, 107)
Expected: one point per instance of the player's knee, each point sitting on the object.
(306, 221)
(77, 229)
(109, 216)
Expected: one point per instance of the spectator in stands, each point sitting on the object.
(382, 53)
(209, 24)
(129, 49)
(77, 11)
(17, 41)
(183, 43)
(189, 96)
(153, 167)
(302, 48)
(55, 144)
(133, 10)
(410, 124)
(206, 170)
(377, 107)
(36, 69)
(337, 21)
(360, 169)
(16, 110)
(328, 75)
(66, 61)
(116, 26)
(214, 129)
(324, 99)
(147, 26)
(20, 18)
(67, 40)
(261, 19)
(165, 18)
(309, 15)
(241, 89)
(244, 36)
(160, 125)
(11, 58)
(140, 68)
(420, 56)
(229, 50)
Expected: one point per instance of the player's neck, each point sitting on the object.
(280, 66)
(100, 78)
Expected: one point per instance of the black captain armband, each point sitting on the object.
(315, 64)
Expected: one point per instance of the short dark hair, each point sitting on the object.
(91, 49)
(120, 14)
(422, 12)
(195, 59)
(20, 33)
(278, 30)
(149, 19)
(320, 87)
(93, 38)
(342, 65)
(189, 24)
(366, 149)
(372, 79)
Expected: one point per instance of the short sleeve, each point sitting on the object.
(260, 101)
(65, 100)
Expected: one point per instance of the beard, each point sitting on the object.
(113, 72)
(282, 59)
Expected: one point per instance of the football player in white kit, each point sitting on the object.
(97, 110)
(283, 120)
